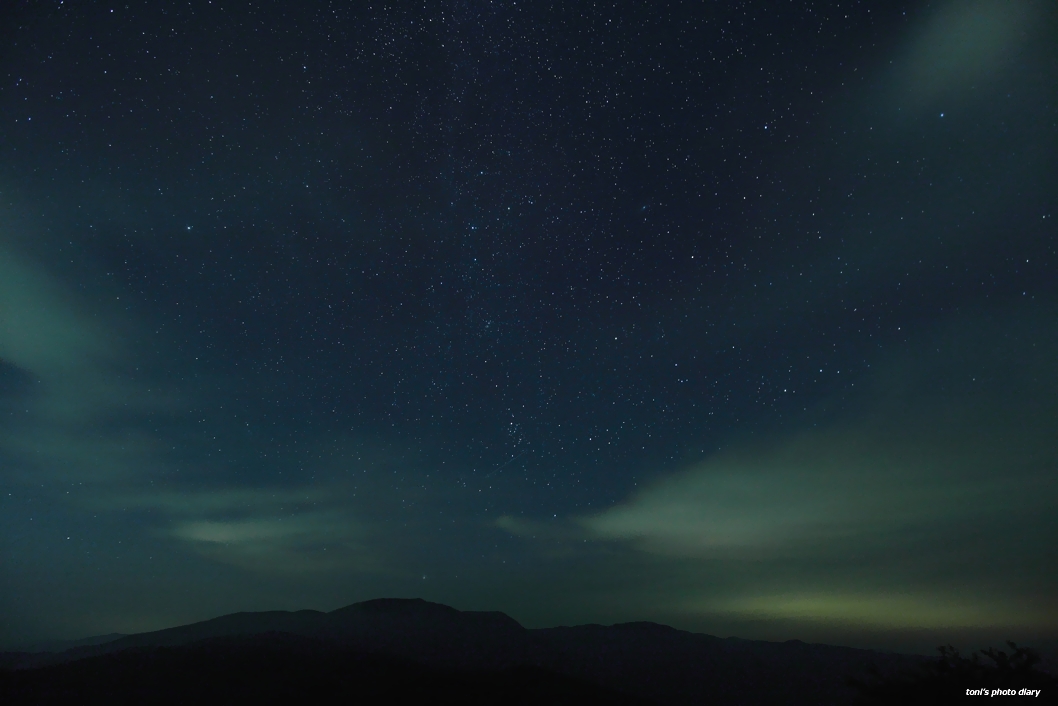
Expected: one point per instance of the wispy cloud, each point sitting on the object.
(240, 531)
(269, 529)
(319, 540)
(530, 528)
(816, 490)
(965, 46)
(199, 502)
(41, 329)
(76, 419)
(883, 517)
(88, 419)
(931, 445)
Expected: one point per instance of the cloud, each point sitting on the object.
(77, 417)
(965, 46)
(88, 420)
(812, 490)
(40, 328)
(539, 529)
(266, 529)
(76, 349)
(937, 440)
(222, 500)
(927, 504)
(317, 540)
(824, 490)
(241, 530)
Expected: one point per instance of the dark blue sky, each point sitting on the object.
(737, 317)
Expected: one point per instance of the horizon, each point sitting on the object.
(739, 319)
(900, 644)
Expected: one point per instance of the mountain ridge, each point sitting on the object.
(641, 659)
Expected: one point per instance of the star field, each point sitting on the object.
(737, 317)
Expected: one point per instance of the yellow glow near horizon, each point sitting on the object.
(884, 611)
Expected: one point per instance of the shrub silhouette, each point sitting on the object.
(946, 679)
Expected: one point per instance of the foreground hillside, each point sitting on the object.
(394, 651)
(285, 669)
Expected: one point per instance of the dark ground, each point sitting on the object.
(397, 651)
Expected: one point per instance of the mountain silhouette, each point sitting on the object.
(387, 649)
(431, 633)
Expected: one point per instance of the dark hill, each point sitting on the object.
(430, 633)
(419, 643)
(277, 668)
(691, 668)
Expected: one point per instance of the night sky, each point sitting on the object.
(741, 317)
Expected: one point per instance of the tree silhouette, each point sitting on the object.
(948, 678)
